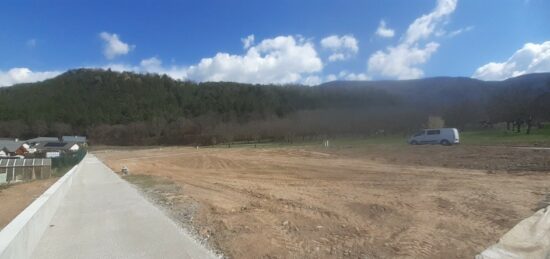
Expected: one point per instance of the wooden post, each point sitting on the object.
(13, 171)
(33, 176)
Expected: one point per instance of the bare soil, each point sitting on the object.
(499, 158)
(336, 203)
(15, 198)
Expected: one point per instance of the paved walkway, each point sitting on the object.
(102, 216)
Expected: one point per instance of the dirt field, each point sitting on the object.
(15, 198)
(357, 203)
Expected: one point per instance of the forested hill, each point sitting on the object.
(128, 108)
(90, 97)
(450, 89)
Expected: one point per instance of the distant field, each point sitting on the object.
(489, 137)
(538, 137)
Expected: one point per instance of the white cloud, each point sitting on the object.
(460, 31)
(151, 64)
(356, 77)
(424, 27)
(343, 47)
(384, 31)
(114, 46)
(345, 75)
(279, 60)
(248, 41)
(336, 43)
(24, 75)
(402, 61)
(282, 59)
(337, 57)
(332, 77)
(312, 80)
(531, 58)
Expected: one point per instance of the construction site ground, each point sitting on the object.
(375, 201)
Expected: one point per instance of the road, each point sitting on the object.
(103, 216)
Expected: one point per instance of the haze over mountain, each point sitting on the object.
(128, 108)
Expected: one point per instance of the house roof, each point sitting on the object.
(54, 146)
(42, 139)
(10, 145)
(80, 139)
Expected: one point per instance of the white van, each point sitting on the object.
(443, 136)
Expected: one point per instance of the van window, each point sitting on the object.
(420, 133)
(433, 132)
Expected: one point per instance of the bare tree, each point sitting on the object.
(435, 122)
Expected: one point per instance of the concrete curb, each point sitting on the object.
(19, 238)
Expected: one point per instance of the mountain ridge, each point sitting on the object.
(101, 103)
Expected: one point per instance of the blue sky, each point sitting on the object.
(294, 41)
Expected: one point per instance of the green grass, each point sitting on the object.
(538, 137)
(333, 142)
(265, 144)
(396, 140)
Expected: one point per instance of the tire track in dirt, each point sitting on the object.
(300, 203)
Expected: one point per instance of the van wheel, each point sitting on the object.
(414, 142)
(445, 142)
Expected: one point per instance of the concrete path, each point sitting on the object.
(102, 216)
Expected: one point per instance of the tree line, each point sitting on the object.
(135, 109)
